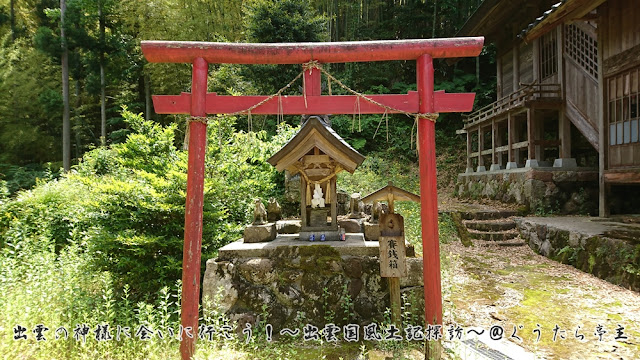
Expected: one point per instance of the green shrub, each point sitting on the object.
(125, 204)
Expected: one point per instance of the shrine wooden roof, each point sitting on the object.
(316, 133)
(398, 194)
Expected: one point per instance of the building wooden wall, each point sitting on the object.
(507, 73)
(579, 46)
(526, 63)
(620, 20)
(623, 26)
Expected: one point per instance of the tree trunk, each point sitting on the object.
(77, 129)
(103, 106)
(435, 14)
(13, 21)
(66, 131)
(147, 97)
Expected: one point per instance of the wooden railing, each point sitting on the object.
(516, 99)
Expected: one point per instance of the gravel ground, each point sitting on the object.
(487, 285)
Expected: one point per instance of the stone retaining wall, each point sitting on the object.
(612, 259)
(297, 285)
(537, 190)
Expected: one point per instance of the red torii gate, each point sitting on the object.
(199, 103)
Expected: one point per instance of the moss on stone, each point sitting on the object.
(462, 231)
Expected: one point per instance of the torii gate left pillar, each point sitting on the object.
(200, 103)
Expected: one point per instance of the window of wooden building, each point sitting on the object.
(582, 48)
(624, 114)
(548, 55)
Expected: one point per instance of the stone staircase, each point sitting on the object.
(492, 225)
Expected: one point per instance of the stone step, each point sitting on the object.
(493, 235)
(512, 243)
(487, 214)
(490, 225)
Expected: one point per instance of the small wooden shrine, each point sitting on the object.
(390, 193)
(318, 154)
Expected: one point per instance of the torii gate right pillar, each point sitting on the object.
(429, 201)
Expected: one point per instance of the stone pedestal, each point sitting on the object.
(371, 231)
(532, 163)
(512, 165)
(318, 217)
(481, 169)
(495, 167)
(351, 225)
(469, 170)
(566, 163)
(288, 226)
(291, 276)
(259, 233)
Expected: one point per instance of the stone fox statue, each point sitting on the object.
(274, 210)
(259, 213)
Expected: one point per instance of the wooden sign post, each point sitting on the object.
(393, 263)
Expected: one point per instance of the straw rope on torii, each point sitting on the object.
(310, 66)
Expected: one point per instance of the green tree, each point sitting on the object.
(269, 21)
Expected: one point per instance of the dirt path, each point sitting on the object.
(488, 285)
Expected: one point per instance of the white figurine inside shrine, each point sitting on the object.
(318, 197)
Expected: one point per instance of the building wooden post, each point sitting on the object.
(538, 131)
(564, 135)
(193, 214)
(516, 67)
(603, 128)
(510, 140)
(560, 58)
(469, 162)
(429, 201)
(494, 142)
(499, 76)
(480, 149)
(531, 161)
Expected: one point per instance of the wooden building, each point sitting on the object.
(567, 89)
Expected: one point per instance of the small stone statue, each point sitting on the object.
(318, 198)
(376, 211)
(356, 206)
(274, 210)
(259, 213)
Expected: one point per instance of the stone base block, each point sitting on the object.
(566, 163)
(532, 163)
(259, 233)
(512, 165)
(481, 169)
(469, 170)
(371, 231)
(351, 225)
(318, 217)
(495, 167)
(288, 226)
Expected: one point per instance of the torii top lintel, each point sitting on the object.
(298, 53)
